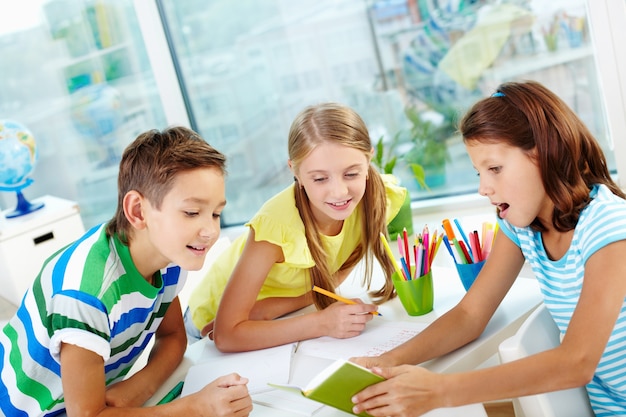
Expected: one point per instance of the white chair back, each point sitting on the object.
(539, 333)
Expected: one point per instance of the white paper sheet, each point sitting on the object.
(259, 366)
(379, 337)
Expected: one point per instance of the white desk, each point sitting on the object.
(516, 306)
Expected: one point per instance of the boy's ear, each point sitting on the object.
(133, 209)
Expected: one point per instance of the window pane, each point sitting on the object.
(441, 60)
(76, 75)
(250, 66)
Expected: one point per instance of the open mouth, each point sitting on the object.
(501, 208)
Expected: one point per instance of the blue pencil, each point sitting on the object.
(406, 269)
(447, 243)
(467, 245)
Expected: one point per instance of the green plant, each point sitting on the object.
(428, 139)
(385, 159)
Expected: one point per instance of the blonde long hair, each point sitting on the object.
(333, 122)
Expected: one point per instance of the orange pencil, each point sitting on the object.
(339, 298)
(447, 227)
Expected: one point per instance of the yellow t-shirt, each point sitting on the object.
(278, 222)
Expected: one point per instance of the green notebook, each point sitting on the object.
(336, 385)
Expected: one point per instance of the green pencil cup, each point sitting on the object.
(469, 272)
(416, 295)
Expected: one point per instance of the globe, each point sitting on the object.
(18, 157)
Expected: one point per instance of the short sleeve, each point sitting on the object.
(278, 222)
(603, 223)
(290, 238)
(79, 319)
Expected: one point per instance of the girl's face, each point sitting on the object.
(512, 181)
(334, 177)
(187, 224)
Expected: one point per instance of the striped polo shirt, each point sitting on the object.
(87, 294)
(602, 222)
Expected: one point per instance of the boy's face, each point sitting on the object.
(187, 224)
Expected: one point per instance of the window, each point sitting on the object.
(76, 74)
(86, 76)
(381, 57)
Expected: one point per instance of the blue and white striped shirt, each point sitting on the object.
(88, 294)
(602, 222)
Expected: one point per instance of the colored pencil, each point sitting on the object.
(338, 297)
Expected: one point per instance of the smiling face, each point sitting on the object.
(186, 225)
(334, 177)
(512, 181)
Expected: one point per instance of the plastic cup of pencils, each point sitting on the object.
(469, 272)
(416, 295)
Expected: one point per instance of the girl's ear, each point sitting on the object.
(295, 177)
(133, 205)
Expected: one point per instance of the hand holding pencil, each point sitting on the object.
(339, 298)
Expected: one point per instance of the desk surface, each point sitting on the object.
(517, 305)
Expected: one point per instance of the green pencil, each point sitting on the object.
(175, 392)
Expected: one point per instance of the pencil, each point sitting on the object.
(175, 392)
(392, 257)
(338, 297)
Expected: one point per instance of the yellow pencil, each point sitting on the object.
(390, 254)
(338, 297)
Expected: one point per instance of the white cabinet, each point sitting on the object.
(27, 241)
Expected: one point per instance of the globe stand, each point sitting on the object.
(23, 206)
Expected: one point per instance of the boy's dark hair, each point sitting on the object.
(152, 161)
(528, 116)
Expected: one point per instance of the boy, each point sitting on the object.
(96, 303)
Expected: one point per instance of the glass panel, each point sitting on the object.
(76, 75)
(250, 66)
(409, 67)
(443, 56)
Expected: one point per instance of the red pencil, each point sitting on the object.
(406, 250)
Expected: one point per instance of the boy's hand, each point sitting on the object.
(346, 320)
(226, 396)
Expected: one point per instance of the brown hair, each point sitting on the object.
(333, 122)
(528, 116)
(150, 164)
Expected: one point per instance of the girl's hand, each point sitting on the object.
(408, 391)
(342, 320)
(226, 396)
(369, 362)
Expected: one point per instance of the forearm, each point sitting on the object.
(181, 407)
(547, 371)
(164, 358)
(274, 307)
(260, 334)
